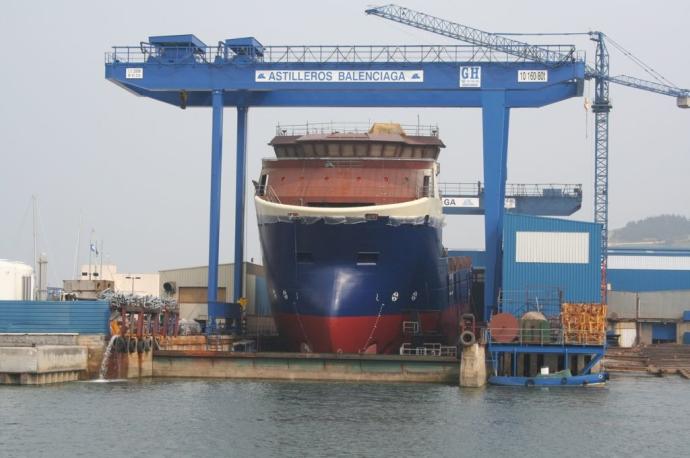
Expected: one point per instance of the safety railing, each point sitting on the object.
(460, 189)
(325, 128)
(513, 189)
(267, 192)
(546, 301)
(370, 194)
(220, 54)
(410, 328)
(545, 335)
(428, 349)
(543, 190)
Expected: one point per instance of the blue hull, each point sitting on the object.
(314, 278)
(313, 268)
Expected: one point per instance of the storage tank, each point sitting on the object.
(16, 281)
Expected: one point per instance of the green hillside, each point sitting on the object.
(658, 231)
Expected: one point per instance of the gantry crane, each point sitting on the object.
(599, 73)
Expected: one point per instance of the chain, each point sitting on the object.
(299, 321)
(373, 330)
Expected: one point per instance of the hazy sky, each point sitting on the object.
(137, 171)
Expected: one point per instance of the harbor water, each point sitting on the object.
(632, 416)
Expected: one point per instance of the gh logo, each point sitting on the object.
(471, 76)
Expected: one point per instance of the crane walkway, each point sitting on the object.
(527, 199)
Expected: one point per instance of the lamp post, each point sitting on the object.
(132, 277)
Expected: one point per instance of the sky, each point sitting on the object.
(135, 172)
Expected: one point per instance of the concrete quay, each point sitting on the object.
(305, 366)
(42, 364)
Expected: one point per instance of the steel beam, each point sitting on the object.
(495, 119)
(240, 185)
(214, 225)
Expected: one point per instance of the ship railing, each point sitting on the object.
(326, 128)
(410, 328)
(545, 335)
(364, 194)
(425, 191)
(222, 54)
(267, 192)
(428, 349)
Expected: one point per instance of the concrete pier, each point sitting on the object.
(41, 364)
(473, 366)
(305, 366)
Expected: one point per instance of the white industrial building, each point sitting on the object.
(138, 283)
(189, 286)
(16, 281)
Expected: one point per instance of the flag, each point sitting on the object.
(93, 248)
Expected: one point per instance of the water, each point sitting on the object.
(106, 358)
(631, 417)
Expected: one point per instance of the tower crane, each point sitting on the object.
(599, 73)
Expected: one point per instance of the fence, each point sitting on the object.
(83, 317)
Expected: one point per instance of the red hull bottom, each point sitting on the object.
(360, 334)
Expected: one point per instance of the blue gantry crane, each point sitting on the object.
(183, 71)
(549, 56)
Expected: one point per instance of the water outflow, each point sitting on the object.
(106, 357)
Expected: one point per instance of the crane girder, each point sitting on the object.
(473, 36)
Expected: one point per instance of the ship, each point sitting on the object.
(350, 224)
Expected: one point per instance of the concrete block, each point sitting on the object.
(18, 359)
(473, 366)
(42, 359)
(35, 339)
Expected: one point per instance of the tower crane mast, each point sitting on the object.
(528, 52)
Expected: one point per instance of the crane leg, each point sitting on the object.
(240, 183)
(214, 225)
(495, 120)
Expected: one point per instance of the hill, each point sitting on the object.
(657, 231)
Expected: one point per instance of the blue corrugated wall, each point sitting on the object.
(641, 280)
(82, 317)
(578, 282)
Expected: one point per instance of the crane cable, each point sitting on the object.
(648, 69)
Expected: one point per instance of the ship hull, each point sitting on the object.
(347, 286)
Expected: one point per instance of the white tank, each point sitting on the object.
(16, 281)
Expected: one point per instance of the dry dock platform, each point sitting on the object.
(305, 366)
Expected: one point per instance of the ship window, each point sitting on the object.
(304, 257)
(367, 258)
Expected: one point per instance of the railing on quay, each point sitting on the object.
(429, 349)
(302, 54)
(545, 336)
(546, 301)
